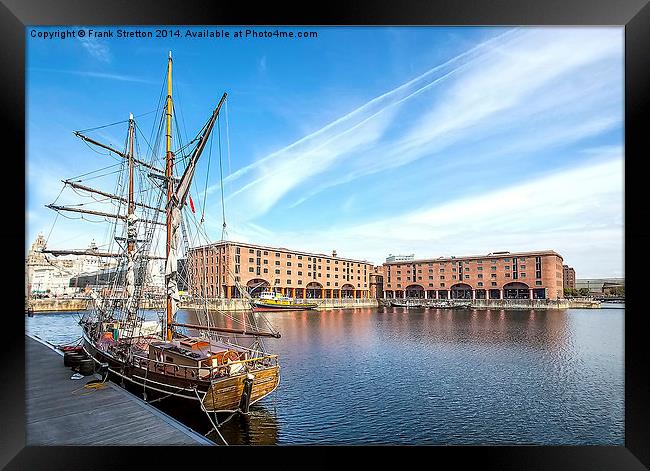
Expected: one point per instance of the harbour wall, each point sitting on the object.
(57, 305)
(75, 304)
(235, 304)
(64, 305)
(534, 304)
(242, 304)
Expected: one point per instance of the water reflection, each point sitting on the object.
(544, 329)
(260, 427)
(433, 376)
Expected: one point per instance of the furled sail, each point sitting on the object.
(98, 301)
(171, 265)
(132, 234)
(177, 203)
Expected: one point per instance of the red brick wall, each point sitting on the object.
(296, 270)
(428, 273)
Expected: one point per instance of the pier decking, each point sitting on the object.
(60, 411)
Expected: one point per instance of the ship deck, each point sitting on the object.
(60, 411)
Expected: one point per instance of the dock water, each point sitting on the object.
(61, 411)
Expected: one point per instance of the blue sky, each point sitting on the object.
(433, 141)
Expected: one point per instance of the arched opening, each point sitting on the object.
(314, 290)
(415, 291)
(347, 291)
(256, 286)
(481, 294)
(516, 290)
(461, 291)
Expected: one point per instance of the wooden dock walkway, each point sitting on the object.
(60, 411)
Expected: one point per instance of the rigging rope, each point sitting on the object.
(56, 218)
(152, 235)
(223, 206)
(207, 174)
(228, 135)
(115, 123)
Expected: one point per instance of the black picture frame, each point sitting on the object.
(634, 15)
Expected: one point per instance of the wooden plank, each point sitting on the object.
(60, 411)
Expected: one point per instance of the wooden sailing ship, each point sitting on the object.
(222, 368)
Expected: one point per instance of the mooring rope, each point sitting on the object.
(214, 426)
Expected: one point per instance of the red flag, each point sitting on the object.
(192, 205)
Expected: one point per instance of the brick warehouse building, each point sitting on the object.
(293, 273)
(569, 277)
(376, 278)
(498, 275)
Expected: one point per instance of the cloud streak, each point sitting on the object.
(552, 77)
(577, 212)
(100, 75)
(327, 137)
(97, 49)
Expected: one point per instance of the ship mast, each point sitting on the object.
(176, 198)
(131, 232)
(131, 208)
(169, 159)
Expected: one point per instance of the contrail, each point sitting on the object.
(359, 124)
(239, 173)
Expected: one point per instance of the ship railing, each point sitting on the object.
(202, 372)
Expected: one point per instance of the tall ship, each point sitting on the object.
(216, 361)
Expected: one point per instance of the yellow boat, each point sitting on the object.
(270, 300)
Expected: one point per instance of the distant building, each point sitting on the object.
(599, 285)
(569, 277)
(399, 258)
(226, 269)
(377, 282)
(153, 283)
(498, 275)
(49, 275)
(612, 288)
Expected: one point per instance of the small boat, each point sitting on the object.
(462, 306)
(406, 304)
(272, 301)
(449, 304)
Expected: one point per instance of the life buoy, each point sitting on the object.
(230, 355)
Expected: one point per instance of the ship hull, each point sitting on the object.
(261, 306)
(221, 395)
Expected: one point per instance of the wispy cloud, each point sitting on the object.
(261, 66)
(96, 48)
(546, 87)
(577, 212)
(360, 115)
(64, 229)
(100, 75)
